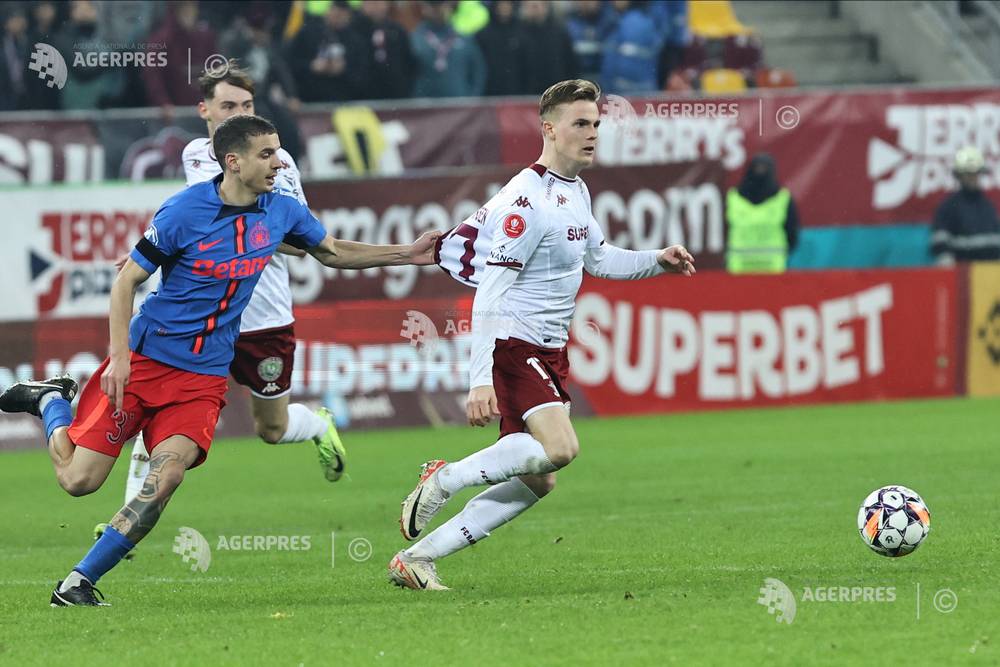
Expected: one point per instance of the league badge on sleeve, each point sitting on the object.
(513, 225)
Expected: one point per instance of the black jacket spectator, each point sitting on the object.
(499, 41)
(546, 55)
(391, 61)
(329, 57)
(966, 228)
(760, 183)
(15, 50)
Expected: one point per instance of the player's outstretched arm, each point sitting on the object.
(115, 376)
(339, 254)
(291, 250)
(608, 261)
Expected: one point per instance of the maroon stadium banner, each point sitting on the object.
(718, 341)
(858, 157)
(669, 344)
(849, 157)
(639, 207)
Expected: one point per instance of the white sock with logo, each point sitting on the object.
(303, 424)
(510, 456)
(138, 468)
(486, 512)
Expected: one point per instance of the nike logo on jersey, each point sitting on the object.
(202, 246)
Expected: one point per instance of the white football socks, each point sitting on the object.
(47, 398)
(303, 424)
(486, 512)
(72, 579)
(138, 468)
(510, 456)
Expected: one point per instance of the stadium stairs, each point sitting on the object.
(819, 44)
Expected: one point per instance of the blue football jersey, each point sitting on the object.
(211, 256)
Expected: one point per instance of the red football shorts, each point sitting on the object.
(263, 361)
(526, 379)
(160, 401)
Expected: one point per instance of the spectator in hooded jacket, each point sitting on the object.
(761, 219)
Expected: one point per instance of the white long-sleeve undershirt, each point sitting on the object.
(608, 261)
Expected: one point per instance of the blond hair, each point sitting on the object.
(566, 92)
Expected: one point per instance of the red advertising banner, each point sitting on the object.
(663, 345)
(719, 341)
(855, 157)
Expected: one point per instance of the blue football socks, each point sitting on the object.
(104, 555)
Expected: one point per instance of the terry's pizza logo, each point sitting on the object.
(918, 163)
(259, 236)
(513, 225)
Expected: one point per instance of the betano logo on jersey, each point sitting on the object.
(235, 268)
(928, 136)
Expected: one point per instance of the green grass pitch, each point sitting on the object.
(652, 550)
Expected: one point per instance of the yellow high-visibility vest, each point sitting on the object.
(757, 241)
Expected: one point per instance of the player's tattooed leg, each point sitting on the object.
(138, 517)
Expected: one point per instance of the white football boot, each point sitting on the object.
(416, 573)
(424, 502)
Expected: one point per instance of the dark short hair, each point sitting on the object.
(566, 92)
(230, 73)
(233, 135)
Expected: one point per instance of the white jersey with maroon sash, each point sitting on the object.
(540, 225)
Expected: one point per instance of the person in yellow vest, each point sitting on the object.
(761, 219)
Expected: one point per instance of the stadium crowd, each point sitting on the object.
(335, 51)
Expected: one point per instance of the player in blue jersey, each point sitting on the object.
(166, 373)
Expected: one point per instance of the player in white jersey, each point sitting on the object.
(266, 347)
(525, 251)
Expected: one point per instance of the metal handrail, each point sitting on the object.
(948, 18)
(992, 13)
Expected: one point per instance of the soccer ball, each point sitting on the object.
(893, 521)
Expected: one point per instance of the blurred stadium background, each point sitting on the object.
(404, 116)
